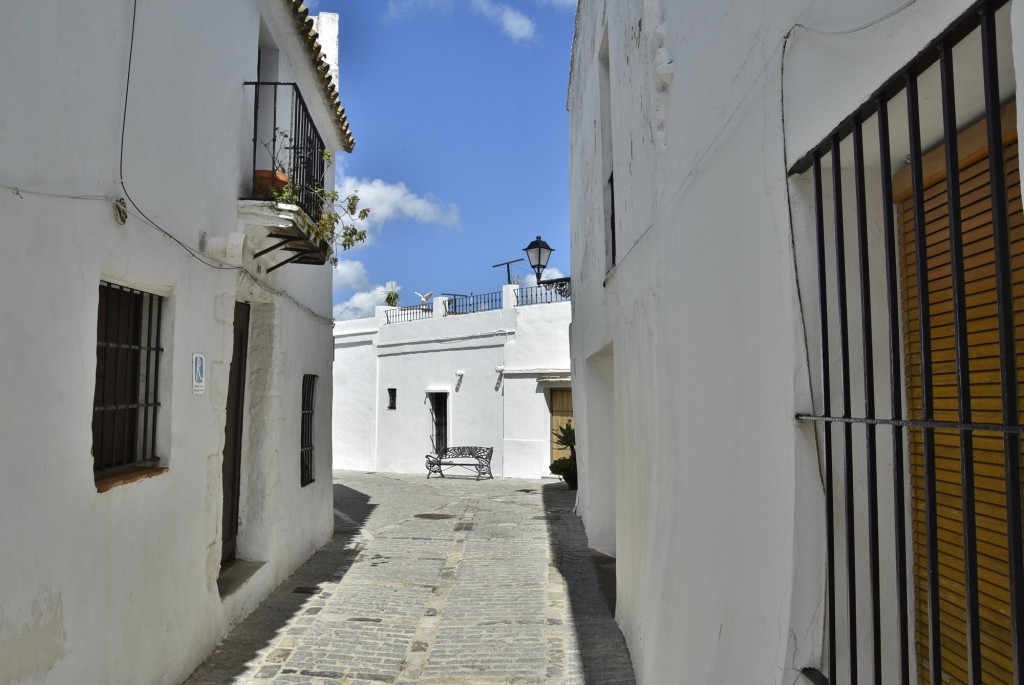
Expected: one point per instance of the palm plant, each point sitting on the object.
(565, 436)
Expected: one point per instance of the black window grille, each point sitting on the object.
(392, 398)
(126, 397)
(925, 570)
(306, 450)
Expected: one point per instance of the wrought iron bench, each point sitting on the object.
(473, 458)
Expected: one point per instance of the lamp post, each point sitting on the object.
(538, 253)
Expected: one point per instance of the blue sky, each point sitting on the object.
(458, 110)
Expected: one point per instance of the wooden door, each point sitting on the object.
(985, 395)
(232, 467)
(439, 420)
(561, 414)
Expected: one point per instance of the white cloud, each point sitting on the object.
(514, 23)
(389, 201)
(350, 275)
(550, 273)
(362, 304)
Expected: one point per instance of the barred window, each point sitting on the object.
(126, 398)
(392, 398)
(920, 238)
(306, 450)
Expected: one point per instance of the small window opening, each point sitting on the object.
(306, 445)
(126, 397)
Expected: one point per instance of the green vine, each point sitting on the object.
(340, 218)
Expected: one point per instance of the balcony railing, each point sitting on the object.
(287, 149)
(472, 304)
(402, 314)
(555, 290)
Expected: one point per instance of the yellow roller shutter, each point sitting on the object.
(982, 325)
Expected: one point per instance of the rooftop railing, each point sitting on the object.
(472, 304)
(555, 290)
(402, 314)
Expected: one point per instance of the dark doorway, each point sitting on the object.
(438, 420)
(232, 468)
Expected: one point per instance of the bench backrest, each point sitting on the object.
(478, 453)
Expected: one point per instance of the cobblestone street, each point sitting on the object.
(440, 581)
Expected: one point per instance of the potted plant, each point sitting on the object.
(267, 182)
(565, 436)
(336, 227)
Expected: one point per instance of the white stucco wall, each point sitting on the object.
(508, 358)
(355, 376)
(120, 586)
(689, 359)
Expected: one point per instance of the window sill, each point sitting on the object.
(127, 474)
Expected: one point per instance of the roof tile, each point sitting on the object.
(304, 24)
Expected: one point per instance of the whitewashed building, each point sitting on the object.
(165, 389)
(802, 448)
(489, 370)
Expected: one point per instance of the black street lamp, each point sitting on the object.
(538, 253)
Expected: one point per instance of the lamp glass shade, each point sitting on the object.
(538, 253)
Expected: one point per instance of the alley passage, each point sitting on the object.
(441, 581)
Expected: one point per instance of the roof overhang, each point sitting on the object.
(321, 69)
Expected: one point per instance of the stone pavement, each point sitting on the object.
(435, 581)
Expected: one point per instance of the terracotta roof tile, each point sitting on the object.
(304, 25)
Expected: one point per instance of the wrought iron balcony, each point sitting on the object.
(287, 149)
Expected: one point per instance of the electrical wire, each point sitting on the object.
(684, 183)
(140, 214)
(198, 256)
(789, 198)
(873, 22)
(17, 190)
(136, 211)
(243, 273)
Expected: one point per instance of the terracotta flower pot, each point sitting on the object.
(266, 181)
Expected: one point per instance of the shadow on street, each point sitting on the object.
(264, 625)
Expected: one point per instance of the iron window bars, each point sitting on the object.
(127, 391)
(308, 474)
(922, 425)
(392, 398)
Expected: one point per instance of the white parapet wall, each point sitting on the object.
(493, 370)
